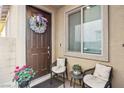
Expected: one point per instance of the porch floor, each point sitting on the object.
(67, 85)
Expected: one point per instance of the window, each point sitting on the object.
(87, 32)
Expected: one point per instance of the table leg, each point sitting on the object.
(74, 82)
(71, 81)
(80, 81)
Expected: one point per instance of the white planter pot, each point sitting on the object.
(76, 72)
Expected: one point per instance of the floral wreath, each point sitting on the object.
(38, 23)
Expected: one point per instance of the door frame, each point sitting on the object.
(42, 8)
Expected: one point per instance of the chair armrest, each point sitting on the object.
(108, 83)
(53, 64)
(87, 71)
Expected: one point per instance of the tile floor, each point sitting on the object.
(67, 85)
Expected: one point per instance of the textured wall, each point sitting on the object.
(16, 27)
(7, 60)
(116, 39)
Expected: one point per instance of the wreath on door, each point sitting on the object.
(38, 23)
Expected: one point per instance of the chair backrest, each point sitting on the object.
(61, 61)
(102, 71)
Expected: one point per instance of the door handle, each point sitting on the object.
(48, 51)
(48, 54)
(48, 47)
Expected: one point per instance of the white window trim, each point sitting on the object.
(104, 55)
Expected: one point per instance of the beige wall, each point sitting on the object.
(116, 39)
(15, 38)
(16, 29)
(7, 60)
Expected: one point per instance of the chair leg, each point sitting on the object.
(110, 85)
(83, 86)
(64, 80)
(66, 74)
(51, 78)
(80, 82)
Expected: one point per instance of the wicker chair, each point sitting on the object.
(59, 69)
(98, 77)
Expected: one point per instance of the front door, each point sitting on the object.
(38, 45)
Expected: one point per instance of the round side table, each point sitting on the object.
(76, 77)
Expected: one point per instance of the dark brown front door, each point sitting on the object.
(38, 45)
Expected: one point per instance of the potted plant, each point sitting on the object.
(76, 69)
(23, 76)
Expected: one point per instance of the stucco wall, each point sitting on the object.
(7, 60)
(116, 39)
(16, 26)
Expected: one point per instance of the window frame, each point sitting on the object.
(104, 35)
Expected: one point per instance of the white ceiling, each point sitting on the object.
(57, 6)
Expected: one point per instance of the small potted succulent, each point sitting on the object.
(76, 69)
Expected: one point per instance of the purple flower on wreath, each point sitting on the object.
(40, 19)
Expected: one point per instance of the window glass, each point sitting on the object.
(92, 30)
(74, 27)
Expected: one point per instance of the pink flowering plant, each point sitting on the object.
(23, 74)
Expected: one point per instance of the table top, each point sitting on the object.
(76, 76)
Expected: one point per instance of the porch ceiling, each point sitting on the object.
(57, 6)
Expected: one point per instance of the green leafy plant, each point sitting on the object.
(76, 67)
(23, 75)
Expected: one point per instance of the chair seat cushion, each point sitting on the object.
(94, 81)
(58, 69)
